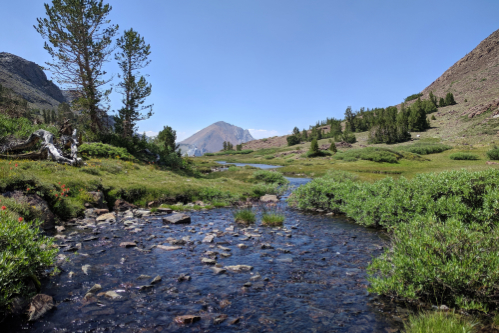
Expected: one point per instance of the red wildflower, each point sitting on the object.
(16, 165)
(28, 189)
(4, 208)
(56, 194)
(63, 186)
(20, 219)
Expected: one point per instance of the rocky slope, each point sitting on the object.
(28, 80)
(210, 139)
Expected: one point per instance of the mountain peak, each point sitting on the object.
(210, 139)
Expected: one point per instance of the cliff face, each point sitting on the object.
(28, 80)
(210, 139)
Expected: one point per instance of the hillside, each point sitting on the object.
(210, 139)
(474, 82)
(28, 80)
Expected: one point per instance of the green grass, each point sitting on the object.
(273, 218)
(438, 322)
(245, 215)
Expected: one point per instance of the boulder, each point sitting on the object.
(105, 217)
(40, 304)
(38, 203)
(177, 219)
(98, 198)
(101, 211)
(168, 248)
(128, 244)
(165, 210)
(239, 268)
(269, 198)
(121, 205)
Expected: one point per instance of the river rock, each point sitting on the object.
(218, 270)
(177, 219)
(121, 205)
(208, 261)
(60, 228)
(94, 289)
(128, 244)
(183, 277)
(101, 211)
(165, 210)
(40, 304)
(265, 246)
(112, 294)
(156, 279)
(269, 198)
(142, 277)
(187, 319)
(242, 246)
(168, 248)
(105, 217)
(239, 268)
(85, 269)
(208, 239)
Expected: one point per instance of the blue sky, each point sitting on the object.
(270, 65)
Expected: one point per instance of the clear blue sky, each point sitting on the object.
(270, 65)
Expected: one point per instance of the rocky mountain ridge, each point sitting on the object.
(210, 139)
(28, 80)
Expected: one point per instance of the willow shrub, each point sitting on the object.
(269, 177)
(24, 253)
(469, 196)
(452, 262)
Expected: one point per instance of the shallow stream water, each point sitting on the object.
(308, 276)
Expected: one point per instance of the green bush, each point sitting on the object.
(465, 195)
(423, 148)
(24, 254)
(98, 149)
(268, 176)
(452, 262)
(493, 154)
(319, 153)
(464, 156)
(20, 128)
(293, 140)
(259, 190)
(273, 217)
(374, 154)
(245, 215)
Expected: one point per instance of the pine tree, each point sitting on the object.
(349, 117)
(314, 146)
(296, 132)
(224, 146)
(168, 136)
(293, 140)
(433, 98)
(417, 117)
(304, 135)
(449, 99)
(80, 41)
(333, 148)
(132, 57)
(441, 102)
(433, 117)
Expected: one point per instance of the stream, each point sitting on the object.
(307, 276)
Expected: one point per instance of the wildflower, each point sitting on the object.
(20, 219)
(63, 186)
(28, 189)
(16, 165)
(4, 208)
(56, 194)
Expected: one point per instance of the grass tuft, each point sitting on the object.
(438, 322)
(245, 215)
(464, 157)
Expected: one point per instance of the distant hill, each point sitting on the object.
(210, 139)
(28, 80)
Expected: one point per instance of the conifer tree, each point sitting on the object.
(441, 102)
(168, 136)
(296, 132)
(314, 146)
(224, 146)
(132, 57)
(80, 42)
(449, 99)
(433, 98)
(417, 117)
(333, 148)
(304, 135)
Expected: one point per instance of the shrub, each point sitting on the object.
(245, 215)
(465, 195)
(268, 176)
(213, 194)
(440, 322)
(98, 149)
(24, 254)
(433, 117)
(452, 262)
(319, 153)
(493, 154)
(293, 140)
(423, 148)
(374, 154)
(262, 189)
(464, 156)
